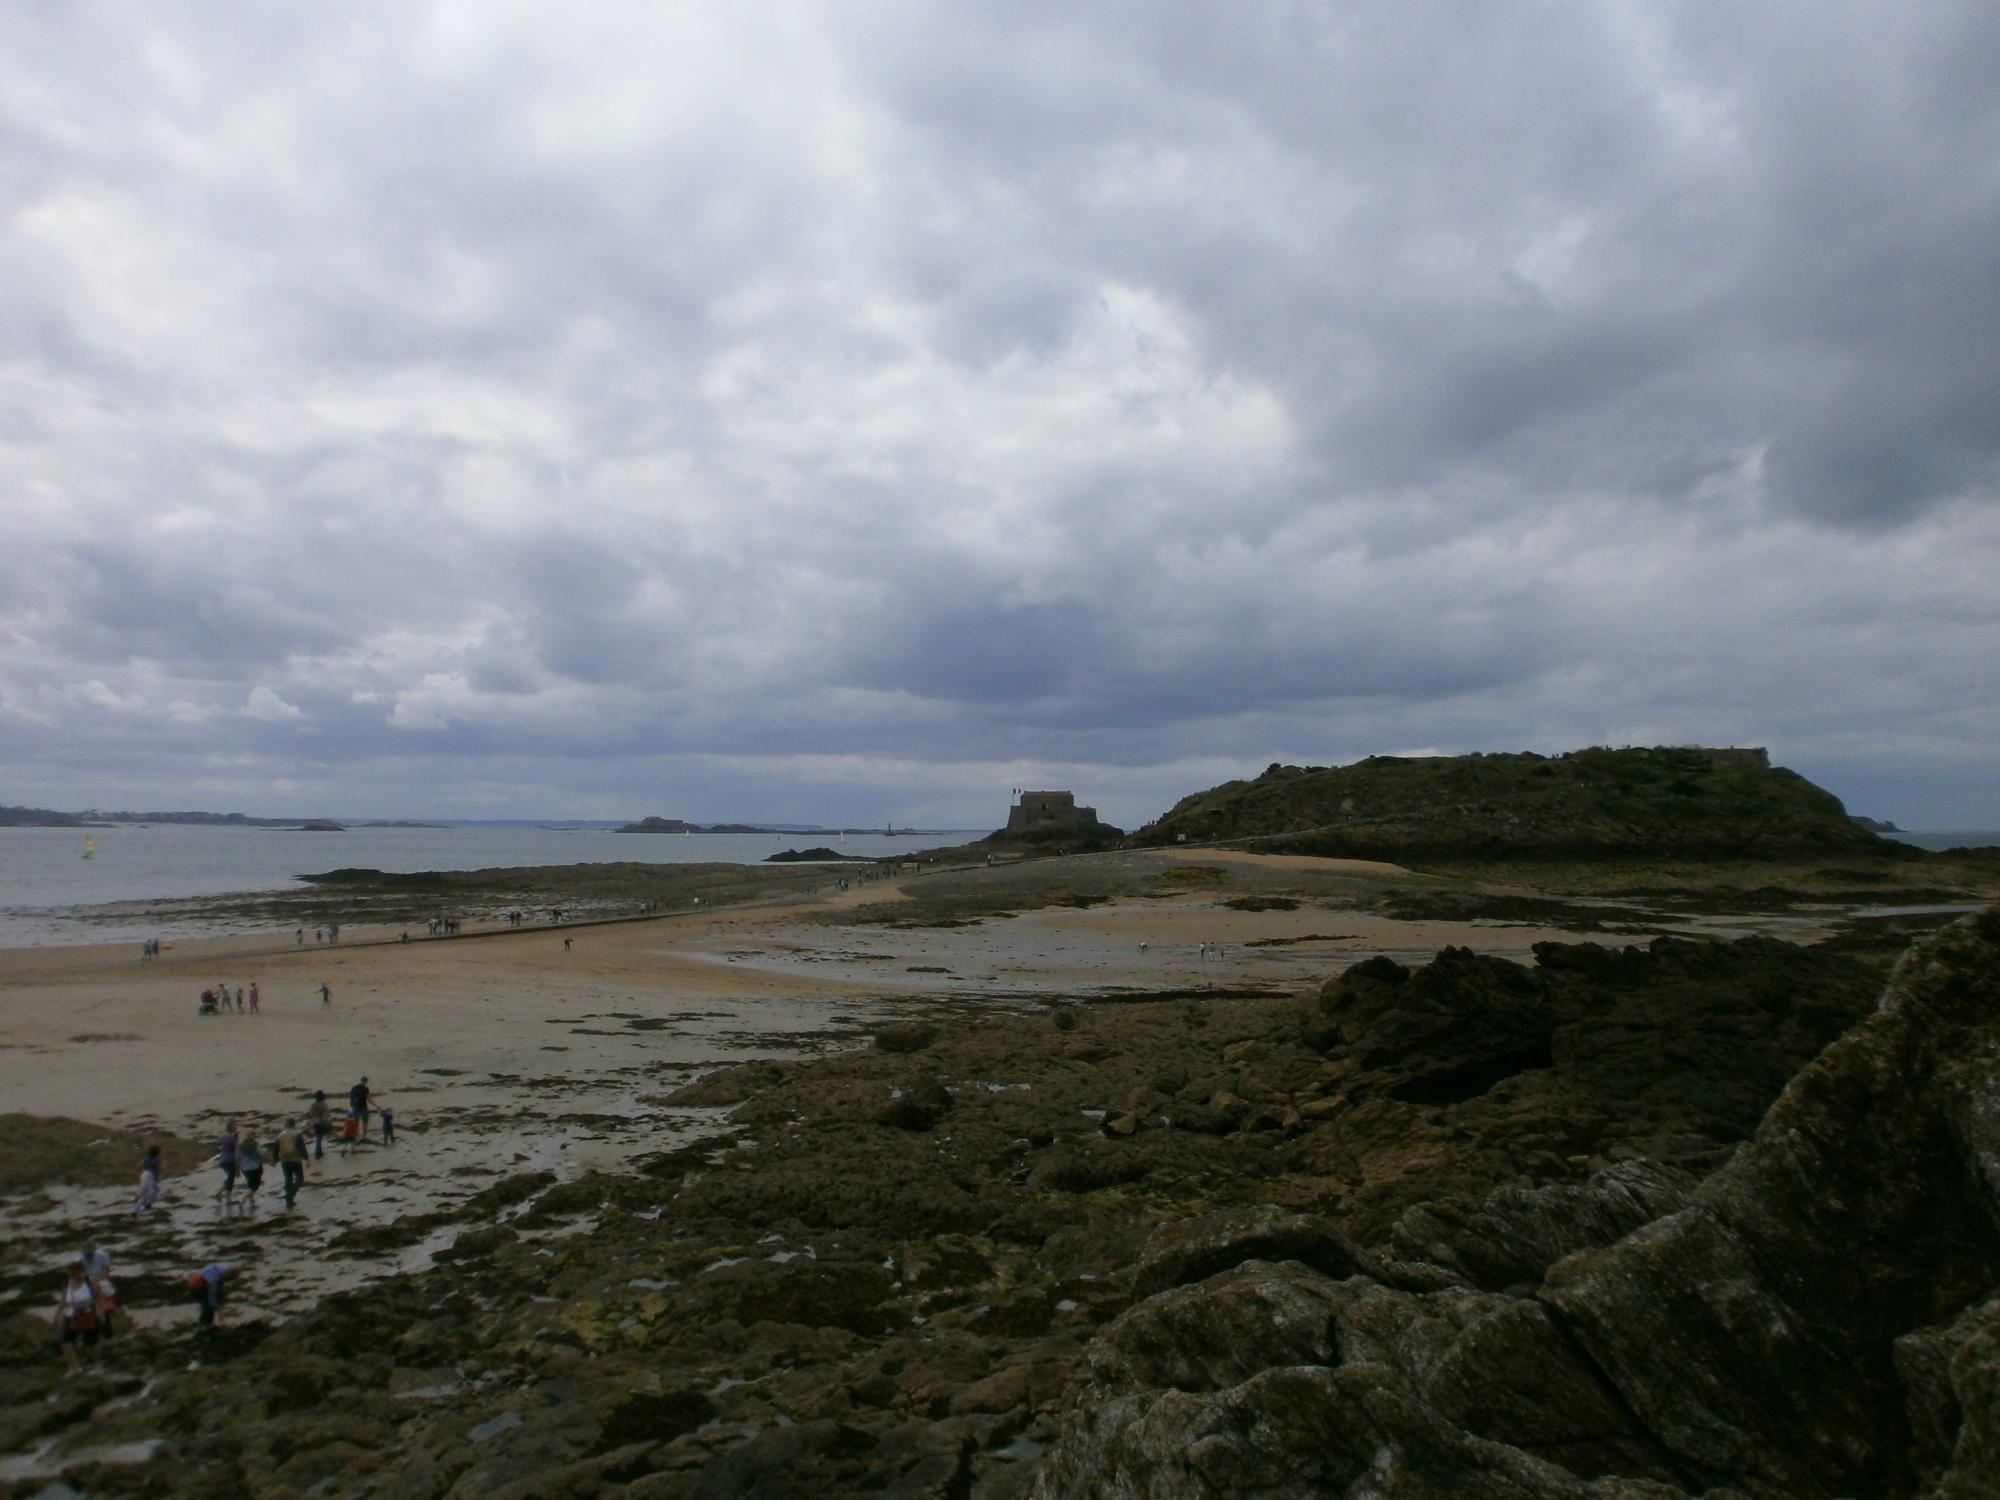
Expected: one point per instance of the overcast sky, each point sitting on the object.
(850, 412)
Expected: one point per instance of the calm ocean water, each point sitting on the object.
(46, 884)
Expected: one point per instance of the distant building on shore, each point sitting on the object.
(1049, 813)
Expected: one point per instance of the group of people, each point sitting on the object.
(87, 1306)
(361, 1101)
(330, 933)
(220, 998)
(84, 1309)
(243, 1155)
(240, 1156)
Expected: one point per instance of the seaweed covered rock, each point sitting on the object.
(1311, 1265)
(1817, 1318)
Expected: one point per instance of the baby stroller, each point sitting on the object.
(208, 1004)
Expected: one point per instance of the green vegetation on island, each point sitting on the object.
(1662, 803)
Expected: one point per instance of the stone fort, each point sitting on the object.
(1049, 812)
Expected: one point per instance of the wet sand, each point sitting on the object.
(510, 1053)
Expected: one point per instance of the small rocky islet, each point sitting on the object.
(1669, 1219)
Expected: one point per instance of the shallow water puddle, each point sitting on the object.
(46, 1463)
(506, 1421)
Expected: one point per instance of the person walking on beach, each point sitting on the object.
(225, 1158)
(325, 995)
(250, 1155)
(292, 1160)
(253, 997)
(149, 1180)
(97, 1268)
(77, 1317)
(316, 1121)
(388, 1126)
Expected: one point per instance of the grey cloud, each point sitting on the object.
(1133, 392)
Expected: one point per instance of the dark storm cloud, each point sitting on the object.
(849, 412)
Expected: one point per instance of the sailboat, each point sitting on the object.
(89, 848)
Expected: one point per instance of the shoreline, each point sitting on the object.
(557, 1049)
(704, 1141)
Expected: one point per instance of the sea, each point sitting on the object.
(51, 894)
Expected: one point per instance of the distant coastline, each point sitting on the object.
(12, 816)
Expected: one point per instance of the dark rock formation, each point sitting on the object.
(905, 1036)
(1676, 802)
(916, 1104)
(1818, 1318)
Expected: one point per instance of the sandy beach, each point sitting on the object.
(505, 1052)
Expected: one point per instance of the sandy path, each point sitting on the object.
(1324, 865)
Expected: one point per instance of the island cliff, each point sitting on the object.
(1628, 805)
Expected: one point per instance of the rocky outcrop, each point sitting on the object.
(1820, 1317)
(1678, 802)
(1052, 822)
(1454, 1075)
(1620, 1225)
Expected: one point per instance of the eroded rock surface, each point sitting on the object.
(1817, 1318)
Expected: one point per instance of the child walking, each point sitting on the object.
(250, 1158)
(149, 1180)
